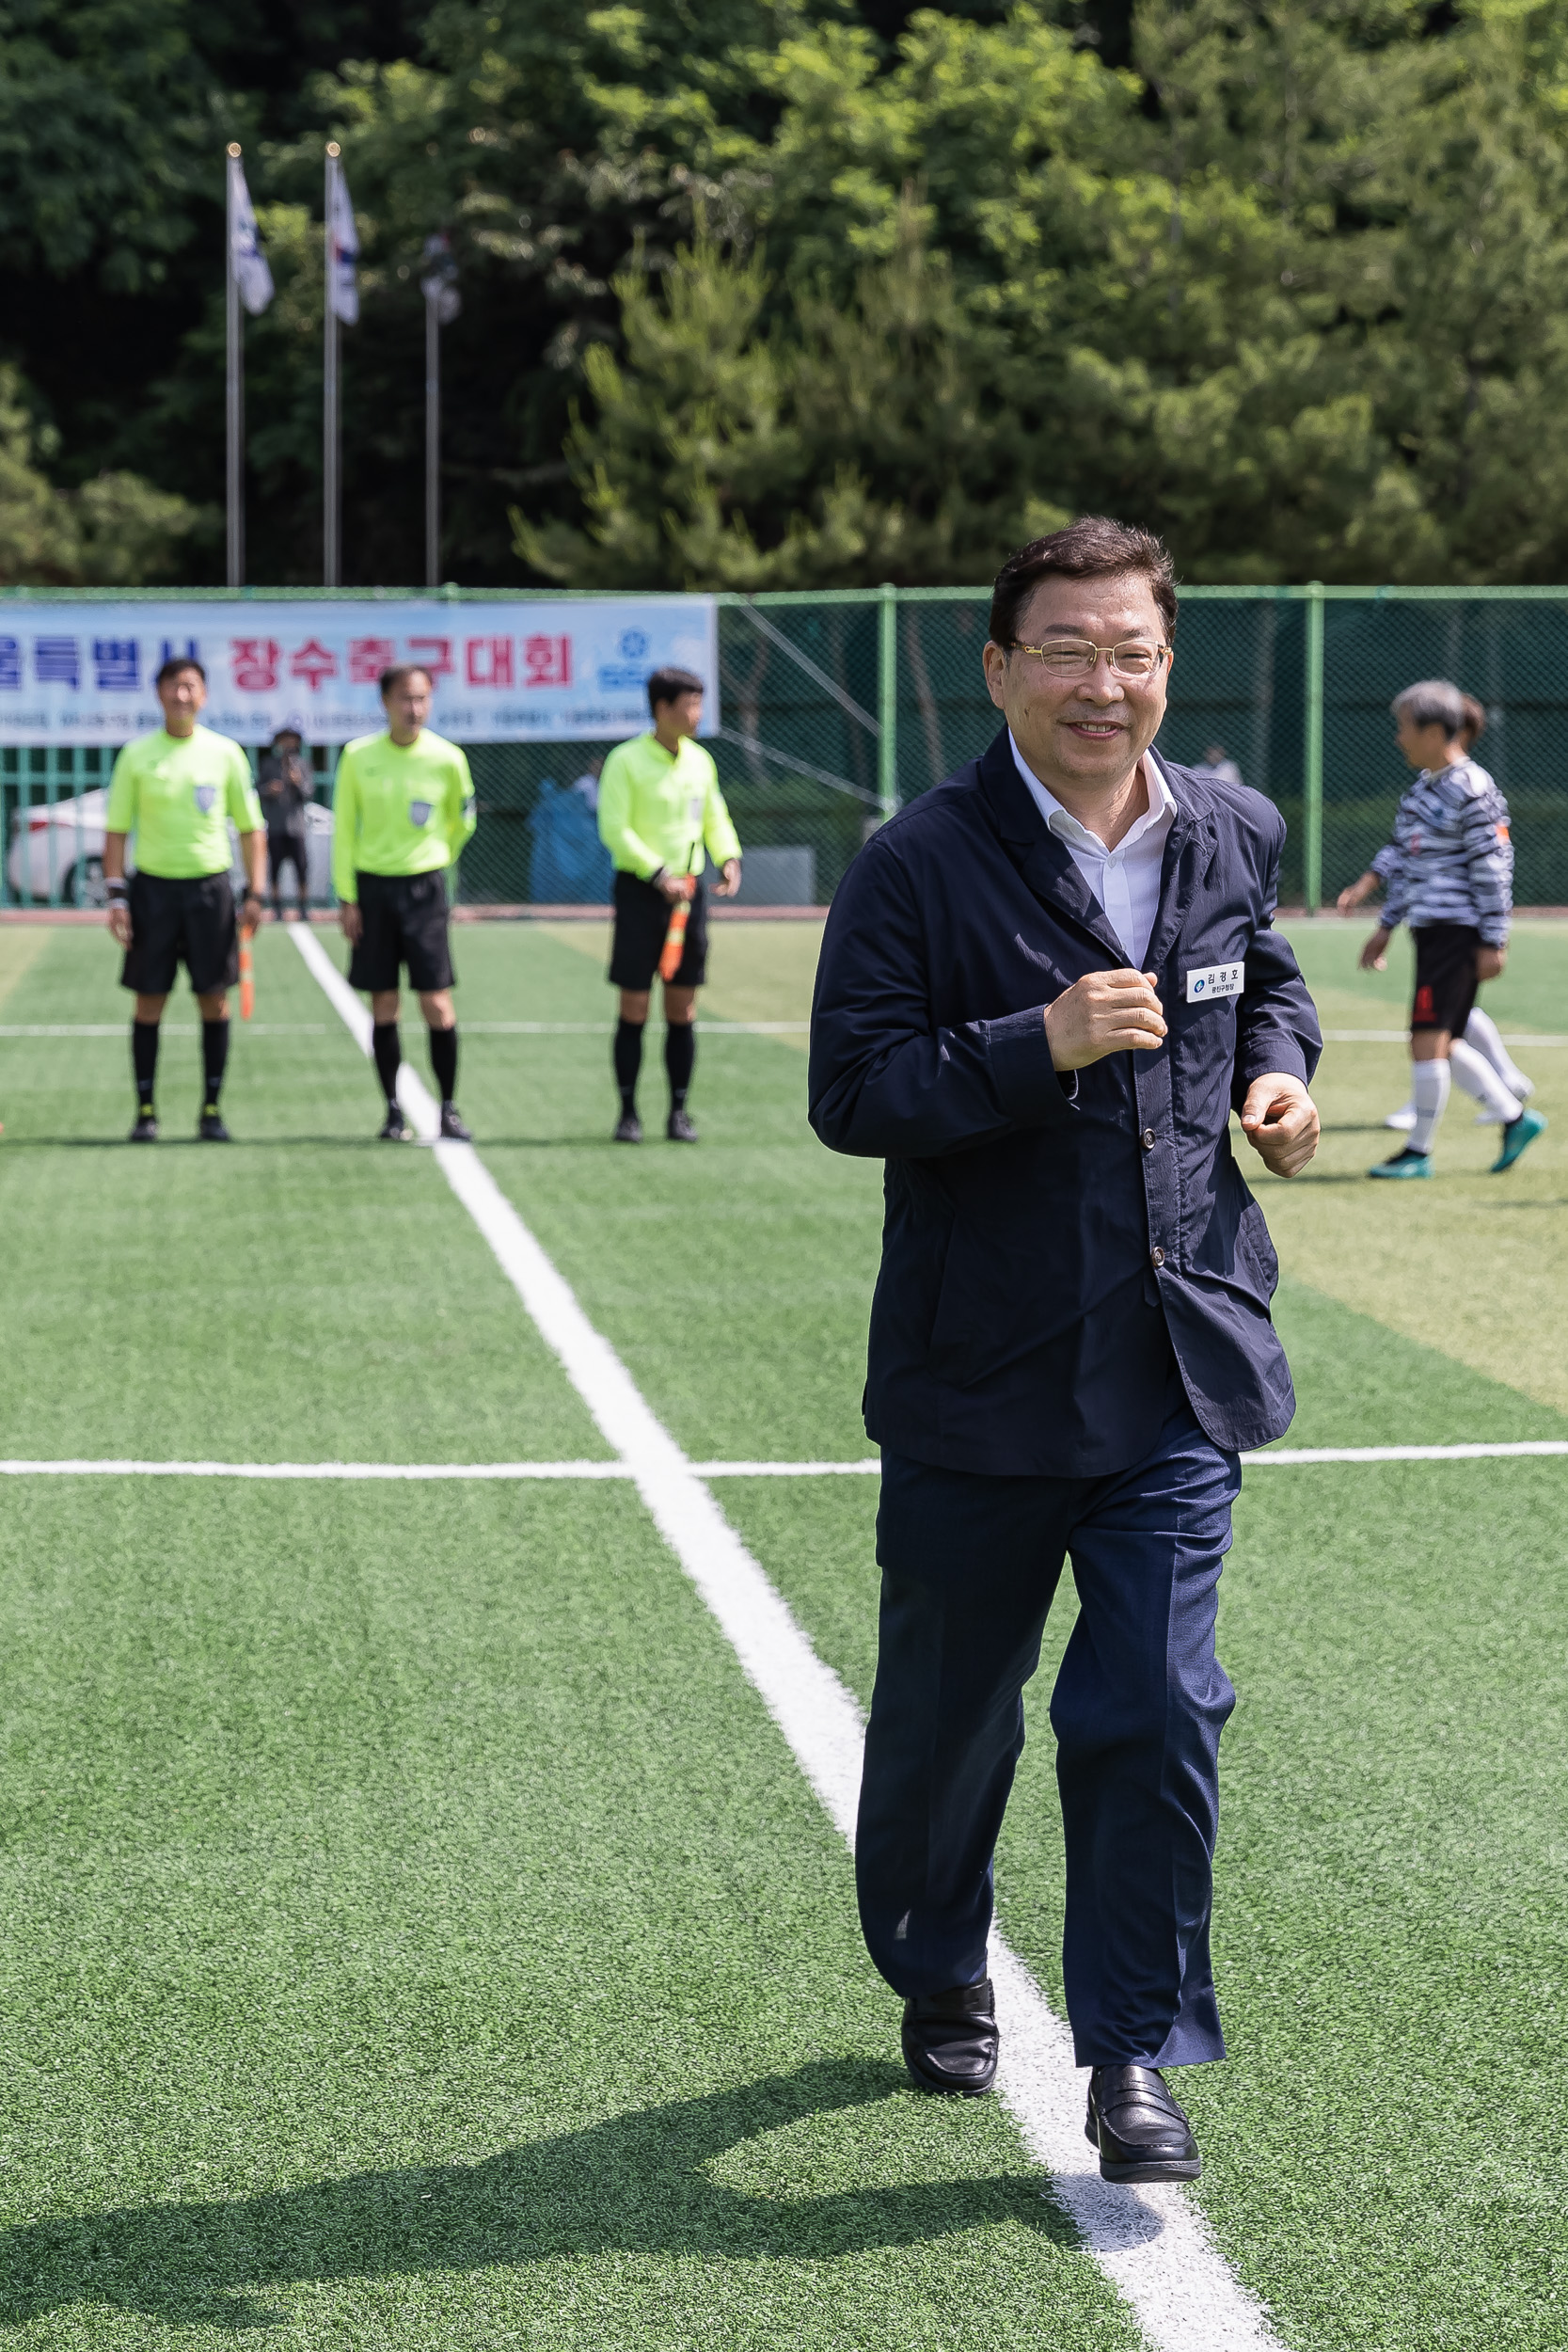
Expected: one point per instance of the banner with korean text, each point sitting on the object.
(504, 672)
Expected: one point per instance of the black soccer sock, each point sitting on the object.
(386, 1050)
(214, 1058)
(629, 1061)
(680, 1059)
(144, 1060)
(443, 1060)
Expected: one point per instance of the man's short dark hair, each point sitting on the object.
(176, 662)
(668, 686)
(1093, 547)
(400, 673)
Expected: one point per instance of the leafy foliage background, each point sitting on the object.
(785, 292)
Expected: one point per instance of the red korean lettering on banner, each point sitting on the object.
(548, 660)
(366, 658)
(488, 660)
(432, 654)
(254, 661)
(313, 661)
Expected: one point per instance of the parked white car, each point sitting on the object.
(58, 851)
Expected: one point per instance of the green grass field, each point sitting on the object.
(416, 1933)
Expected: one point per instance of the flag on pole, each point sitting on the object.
(246, 257)
(343, 239)
(439, 283)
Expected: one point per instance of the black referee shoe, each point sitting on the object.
(145, 1130)
(629, 1130)
(211, 1129)
(394, 1128)
(454, 1126)
(679, 1129)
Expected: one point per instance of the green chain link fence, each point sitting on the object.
(838, 705)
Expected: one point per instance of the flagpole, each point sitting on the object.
(234, 387)
(332, 504)
(433, 440)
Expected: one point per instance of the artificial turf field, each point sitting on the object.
(417, 1934)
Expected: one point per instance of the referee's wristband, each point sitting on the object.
(118, 892)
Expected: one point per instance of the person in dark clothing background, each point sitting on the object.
(284, 786)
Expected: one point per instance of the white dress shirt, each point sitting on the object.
(1126, 880)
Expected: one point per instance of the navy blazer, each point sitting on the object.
(1044, 1234)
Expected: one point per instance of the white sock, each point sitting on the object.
(1478, 1079)
(1428, 1087)
(1481, 1032)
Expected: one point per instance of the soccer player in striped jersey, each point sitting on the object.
(1451, 881)
(1482, 1033)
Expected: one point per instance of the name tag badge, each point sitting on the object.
(1220, 979)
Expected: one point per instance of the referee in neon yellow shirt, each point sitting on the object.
(661, 815)
(402, 810)
(176, 789)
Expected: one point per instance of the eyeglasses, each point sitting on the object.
(1076, 656)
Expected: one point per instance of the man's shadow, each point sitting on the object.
(633, 2185)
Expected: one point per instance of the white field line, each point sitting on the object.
(1153, 2244)
(1402, 1037)
(417, 1472)
(472, 1028)
(426, 1471)
(170, 1028)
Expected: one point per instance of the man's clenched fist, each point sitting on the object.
(1280, 1120)
(1104, 1012)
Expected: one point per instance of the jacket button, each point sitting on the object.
(1147, 1138)
(1156, 1257)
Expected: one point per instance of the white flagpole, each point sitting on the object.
(234, 385)
(332, 504)
(433, 439)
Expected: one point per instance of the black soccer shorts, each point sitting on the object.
(177, 920)
(641, 919)
(405, 921)
(288, 848)
(1446, 981)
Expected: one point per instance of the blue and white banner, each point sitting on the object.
(504, 672)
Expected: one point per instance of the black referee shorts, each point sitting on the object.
(174, 921)
(404, 921)
(1446, 981)
(641, 919)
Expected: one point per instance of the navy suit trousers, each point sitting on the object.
(970, 1567)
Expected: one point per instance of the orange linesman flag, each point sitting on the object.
(247, 973)
(674, 941)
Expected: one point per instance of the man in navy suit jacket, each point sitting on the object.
(1044, 987)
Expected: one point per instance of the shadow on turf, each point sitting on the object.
(633, 2185)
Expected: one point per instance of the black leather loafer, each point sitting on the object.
(1140, 2131)
(950, 2039)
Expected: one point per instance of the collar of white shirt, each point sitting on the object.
(1125, 880)
(1160, 809)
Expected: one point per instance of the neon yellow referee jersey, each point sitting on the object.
(176, 794)
(399, 808)
(657, 811)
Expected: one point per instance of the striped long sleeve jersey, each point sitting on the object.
(1450, 859)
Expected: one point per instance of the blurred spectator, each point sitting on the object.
(588, 783)
(284, 783)
(1215, 764)
(570, 865)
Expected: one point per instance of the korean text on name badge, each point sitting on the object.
(1220, 979)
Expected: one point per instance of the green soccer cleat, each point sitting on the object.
(1517, 1138)
(1403, 1164)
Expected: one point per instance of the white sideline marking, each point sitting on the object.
(170, 1028)
(1402, 1037)
(1289, 1454)
(70, 1467)
(406, 1471)
(1152, 2244)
